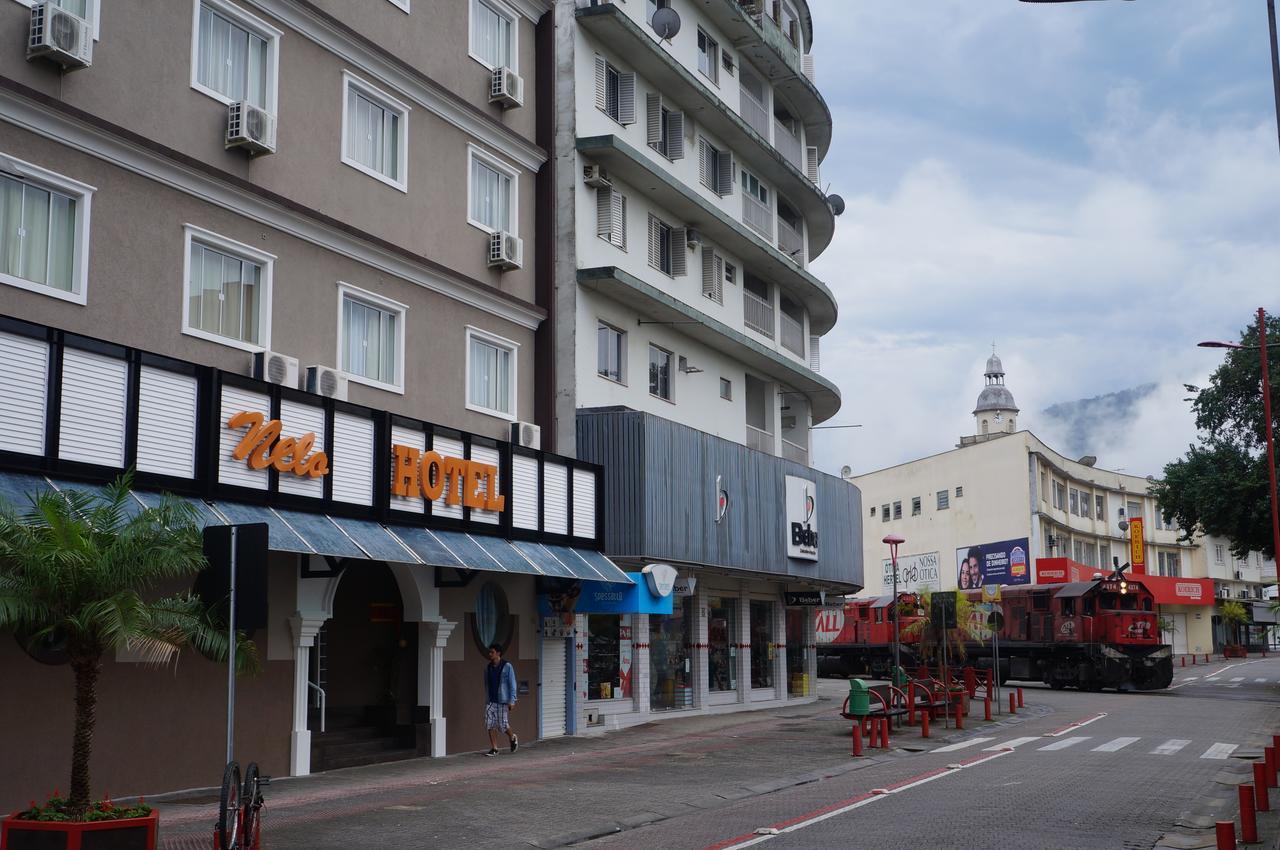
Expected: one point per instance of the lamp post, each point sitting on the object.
(894, 541)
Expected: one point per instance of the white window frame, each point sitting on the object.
(621, 380)
(399, 108)
(500, 342)
(513, 211)
(269, 33)
(670, 397)
(504, 11)
(381, 302)
(193, 233)
(94, 17)
(714, 61)
(82, 193)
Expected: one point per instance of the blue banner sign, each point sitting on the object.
(1004, 562)
(598, 597)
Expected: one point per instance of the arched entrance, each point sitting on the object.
(366, 661)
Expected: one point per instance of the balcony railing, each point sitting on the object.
(754, 113)
(791, 334)
(795, 452)
(757, 216)
(757, 313)
(761, 441)
(790, 242)
(788, 144)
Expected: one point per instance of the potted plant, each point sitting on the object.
(932, 637)
(80, 571)
(1235, 616)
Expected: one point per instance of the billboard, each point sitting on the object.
(802, 519)
(1003, 562)
(915, 573)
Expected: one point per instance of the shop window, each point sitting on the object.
(722, 643)
(492, 621)
(608, 656)
(798, 684)
(670, 668)
(1068, 607)
(762, 645)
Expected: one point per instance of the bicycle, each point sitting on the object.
(240, 807)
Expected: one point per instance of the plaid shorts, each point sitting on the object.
(496, 716)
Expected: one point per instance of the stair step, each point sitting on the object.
(349, 734)
(359, 760)
(329, 750)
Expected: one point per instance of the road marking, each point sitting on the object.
(1063, 743)
(951, 748)
(1260, 681)
(1170, 747)
(1237, 679)
(1112, 746)
(1074, 726)
(1234, 685)
(1009, 745)
(1191, 678)
(1212, 678)
(1219, 751)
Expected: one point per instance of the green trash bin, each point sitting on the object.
(859, 698)
(900, 677)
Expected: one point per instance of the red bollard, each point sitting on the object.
(1226, 834)
(1193, 660)
(1021, 704)
(924, 724)
(1013, 703)
(911, 703)
(1275, 741)
(856, 744)
(1263, 799)
(1269, 759)
(986, 709)
(1248, 817)
(960, 713)
(884, 733)
(1183, 659)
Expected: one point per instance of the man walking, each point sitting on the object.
(500, 698)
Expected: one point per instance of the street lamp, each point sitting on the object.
(1266, 413)
(894, 541)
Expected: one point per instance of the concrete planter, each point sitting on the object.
(126, 834)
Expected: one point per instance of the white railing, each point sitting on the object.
(757, 313)
(795, 452)
(791, 334)
(757, 216)
(754, 113)
(788, 144)
(320, 702)
(790, 242)
(761, 441)
(815, 353)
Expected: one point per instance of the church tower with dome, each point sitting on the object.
(995, 413)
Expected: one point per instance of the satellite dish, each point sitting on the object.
(836, 203)
(846, 471)
(666, 22)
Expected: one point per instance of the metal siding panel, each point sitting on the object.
(414, 439)
(584, 504)
(352, 461)
(24, 378)
(93, 408)
(167, 422)
(555, 687)
(230, 470)
(489, 455)
(523, 497)
(447, 447)
(299, 419)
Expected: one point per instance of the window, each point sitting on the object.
(730, 274)
(491, 374)
(668, 248)
(234, 55)
(1104, 554)
(228, 291)
(897, 510)
(371, 338)
(659, 372)
(726, 393)
(664, 127)
(753, 187)
(1075, 501)
(944, 501)
(712, 275)
(494, 32)
(615, 92)
(715, 168)
(915, 506)
(611, 352)
(1078, 551)
(375, 133)
(1044, 486)
(873, 510)
(1060, 495)
(959, 492)
(1219, 554)
(492, 188)
(884, 513)
(726, 62)
(1100, 507)
(708, 56)
(44, 230)
(611, 217)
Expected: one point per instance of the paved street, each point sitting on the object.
(1074, 770)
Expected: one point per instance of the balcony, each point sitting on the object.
(761, 441)
(792, 451)
(756, 116)
(757, 313)
(790, 242)
(791, 334)
(757, 216)
(788, 144)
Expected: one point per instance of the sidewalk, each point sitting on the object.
(602, 785)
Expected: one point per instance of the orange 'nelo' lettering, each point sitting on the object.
(262, 446)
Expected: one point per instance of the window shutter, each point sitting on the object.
(653, 128)
(724, 163)
(704, 169)
(604, 213)
(811, 163)
(675, 134)
(627, 98)
(815, 356)
(655, 243)
(708, 271)
(619, 219)
(679, 252)
(601, 67)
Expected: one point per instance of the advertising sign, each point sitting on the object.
(1003, 562)
(1137, 551)
(828, 623)
(915, 573)
(803, 598)
(802, 518)
(600, 597)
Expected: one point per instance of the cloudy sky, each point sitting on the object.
(1092, 186)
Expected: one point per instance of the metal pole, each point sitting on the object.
(231, 655)
(1275, 62)
(995, 641)
(1266, 396)
(893, 554)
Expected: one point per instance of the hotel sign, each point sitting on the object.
(430, 474)
(262, 446)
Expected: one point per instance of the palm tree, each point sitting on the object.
(968, 629)
(1234, 615)
(81, 570)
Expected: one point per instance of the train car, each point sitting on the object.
(857, 637)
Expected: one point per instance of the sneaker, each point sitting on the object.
(492, 752)
(515, 743)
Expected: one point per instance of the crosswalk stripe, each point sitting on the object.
(1112, 746)
(1212, 678)
(951, 748)
(1170, 747)
(1260, 681)
(1218, 751)
(1238, 679)
(1064, 743)
(1016, 742)
(1230, 685)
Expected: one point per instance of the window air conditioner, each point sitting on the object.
(692, 238)
(526, 434)
(327, 382)
(506, 251)
(506, 88)
(596, 177)
(276, 368)
(60, 36)
(250, 128)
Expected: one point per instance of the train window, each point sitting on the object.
(1068, 607)
(879, 615)
(1040, 602)
(1146, 605)
(1088, 608)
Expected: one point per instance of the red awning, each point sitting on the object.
(1169, 590)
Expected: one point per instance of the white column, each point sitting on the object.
(698, 654)
(433, 635)
(779, 649)
(811, 649)
(744, 644)
(304, 625)
(640, 661)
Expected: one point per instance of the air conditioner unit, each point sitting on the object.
(250, 128)
(506, 88)
(506, 251)
(60, 36)
(276, 368)
(596, 177)
(327, 382)
(692, 238)
(526, 434)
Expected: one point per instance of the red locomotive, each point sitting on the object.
(1093, 634)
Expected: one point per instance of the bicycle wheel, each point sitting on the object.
(229, 809)
(250, 804)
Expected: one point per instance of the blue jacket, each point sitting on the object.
(506, 683)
